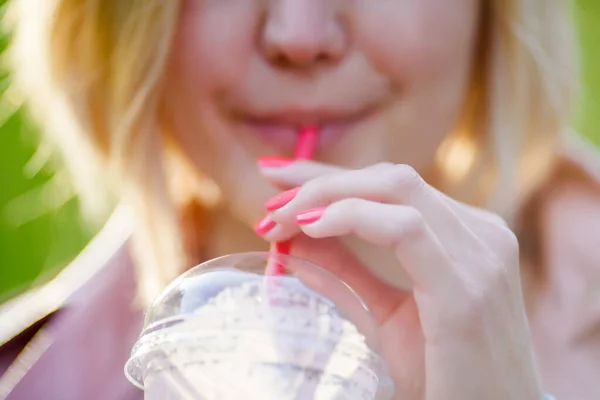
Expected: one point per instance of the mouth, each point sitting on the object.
(280, 128)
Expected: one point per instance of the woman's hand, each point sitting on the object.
(462, 332)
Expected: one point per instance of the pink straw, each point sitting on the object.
(305, 148)
(307, 143)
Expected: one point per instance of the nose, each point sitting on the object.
(300, 34)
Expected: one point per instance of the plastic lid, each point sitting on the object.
(193, 290)
(232, 294)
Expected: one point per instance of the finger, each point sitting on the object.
(297, 173)
(402, 227)
(380, 296)
(300, 172)
(294, 175)
(282, 232)
(390, 184)
(481, 223)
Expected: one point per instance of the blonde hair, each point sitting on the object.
(92, 72)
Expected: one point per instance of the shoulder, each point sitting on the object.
(562, 214)
(108, 249)
(572, 204)
(573, 220)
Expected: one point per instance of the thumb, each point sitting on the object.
(380, 296)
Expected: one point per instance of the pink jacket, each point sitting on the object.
(78, 352)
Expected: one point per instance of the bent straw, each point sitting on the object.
(305, 148)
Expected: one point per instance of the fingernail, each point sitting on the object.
(308, 217)
(275, 203)
(274, 162)
(263, 226)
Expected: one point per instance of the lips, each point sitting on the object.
(300, 118)
(280, 128)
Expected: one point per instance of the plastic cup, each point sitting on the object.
(225, 330)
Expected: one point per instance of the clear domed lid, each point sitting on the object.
(232, 296)
(193, 291)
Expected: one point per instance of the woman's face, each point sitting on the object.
(384, 80)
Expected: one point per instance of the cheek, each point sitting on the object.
(214, 43)
(211, 50)
(418, 40)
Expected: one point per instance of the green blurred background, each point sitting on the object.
(40, 228)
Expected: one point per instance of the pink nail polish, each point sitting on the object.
(265, 225)
(311, 216)
(274, 162)
(281, 200)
